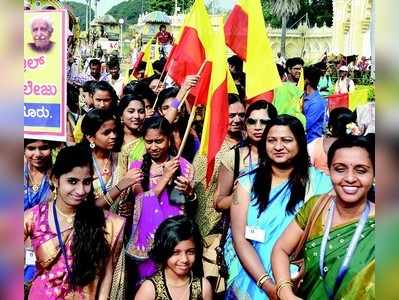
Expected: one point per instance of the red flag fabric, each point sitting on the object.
(236, 31)
(338, 100)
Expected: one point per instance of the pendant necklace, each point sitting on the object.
(68, 218)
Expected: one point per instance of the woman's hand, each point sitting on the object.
(170, 167)
(287, 294)
(270, 289)
(131, 178)
(183, 185)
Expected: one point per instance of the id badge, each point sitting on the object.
(30, 258)
(255, 234)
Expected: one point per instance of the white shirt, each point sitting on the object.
(341, 86)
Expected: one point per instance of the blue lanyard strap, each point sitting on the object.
(100, 177)
(40, 191)
(60, 241)
(349, 253)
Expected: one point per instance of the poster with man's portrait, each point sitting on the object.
(45, 56)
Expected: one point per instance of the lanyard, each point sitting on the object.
(100, 177)
(349, 253)
(60, 241)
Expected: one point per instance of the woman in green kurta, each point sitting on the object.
(347, 221)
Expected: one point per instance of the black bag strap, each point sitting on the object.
(236, 163)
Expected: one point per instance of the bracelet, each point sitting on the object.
(262, 280)
(175, 103)
(194, 197)
(108, 199)
(283, 284)
(117, 187)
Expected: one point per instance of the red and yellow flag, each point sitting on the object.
(191, 50)
(246, 35)
(216, 115)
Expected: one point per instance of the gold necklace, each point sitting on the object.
(35, 186)
(68, 218)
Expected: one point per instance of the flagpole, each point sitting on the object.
(164, 80)
(189, 124)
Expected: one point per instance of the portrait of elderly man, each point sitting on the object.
(41, 29)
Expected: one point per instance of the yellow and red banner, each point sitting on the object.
(45, 57)
(246, 35)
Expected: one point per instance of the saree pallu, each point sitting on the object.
(274, 220)
(359, 281)
(149, 212)
(51, 281)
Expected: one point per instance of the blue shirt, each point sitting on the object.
(314, 108)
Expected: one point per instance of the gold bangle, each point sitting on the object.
(282, 285)
(117, 187)
(262, 279)
(108, 199)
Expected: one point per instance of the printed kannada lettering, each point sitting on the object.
(40, 90)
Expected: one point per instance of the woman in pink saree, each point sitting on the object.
(76, 243)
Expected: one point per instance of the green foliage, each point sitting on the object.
(79, 10)
(319, 11)
(129, 10)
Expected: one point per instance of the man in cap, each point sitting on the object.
(294, 67)
(344, 84)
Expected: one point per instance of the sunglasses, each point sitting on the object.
(263, 122)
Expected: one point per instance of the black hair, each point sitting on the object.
(234, 98)
(170, 92)
(72, 98)
(261, 104)
(338, 119)
(105, 86)
(95, 62)
(162, 26)
(293, 61)
(30, 141)
(113, 63)
(125, 100)
(298, 177)
(90, 248)
(236, 61)
(365, 142)
(163, 125)
(139, 89)
(312, 74)
(94, 119)
(281, 70)
(159, 65)
(171, 232)
(88, 86)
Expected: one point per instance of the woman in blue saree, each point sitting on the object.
(37, 166)
(264, 205)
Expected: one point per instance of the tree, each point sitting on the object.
(79, 10)
(283, 9)
(128, 10)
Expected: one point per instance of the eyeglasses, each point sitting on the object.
(263, 122)
(240, 115)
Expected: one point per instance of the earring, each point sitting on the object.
(55, 193)
(92, 145)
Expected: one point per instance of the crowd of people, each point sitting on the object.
(118, 212)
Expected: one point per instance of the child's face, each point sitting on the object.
(182, 259)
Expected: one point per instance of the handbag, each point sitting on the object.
(296, 257)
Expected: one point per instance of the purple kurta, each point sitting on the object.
(149, 212)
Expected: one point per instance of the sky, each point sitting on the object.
(104, 5)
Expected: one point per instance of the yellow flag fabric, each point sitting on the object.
(149, 71)
(198, 18)
(157, 56)
(219, 76)
(301, 81)
(357, 98)
(261, 70)
(231, 85)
